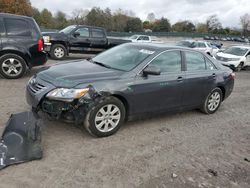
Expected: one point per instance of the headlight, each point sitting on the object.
(233, 59)
(46, 39)
(68, 95)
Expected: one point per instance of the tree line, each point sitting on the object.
(119, 20)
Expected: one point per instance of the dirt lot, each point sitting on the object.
(143, 153)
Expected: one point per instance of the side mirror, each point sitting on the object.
(76, 34)
(248, 56)
(151, 70)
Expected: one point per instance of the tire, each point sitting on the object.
(239, 67)
(12, 66)
(58, 52)
(212, 102)
(98, 119)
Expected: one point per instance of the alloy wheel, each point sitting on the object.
(107, 118)
(214, 101)
(12, 67)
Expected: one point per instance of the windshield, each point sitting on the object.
(123, 57)
(134, 37)
(68, 29)
(236, 51)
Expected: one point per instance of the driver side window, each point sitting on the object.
(84, 32)
(168, 61)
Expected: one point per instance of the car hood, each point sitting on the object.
(221, 54)
(56, 35)
(71, 74)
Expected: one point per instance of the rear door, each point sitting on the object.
(200, 78)
(98, 38)
(19, 33)
(80, 42)
(162, 92)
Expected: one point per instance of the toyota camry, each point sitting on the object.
(127, 81)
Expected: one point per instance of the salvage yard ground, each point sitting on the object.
(188, 149)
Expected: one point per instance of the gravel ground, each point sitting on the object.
(187, 149)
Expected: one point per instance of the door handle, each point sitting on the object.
(214, 75)
(180, 79)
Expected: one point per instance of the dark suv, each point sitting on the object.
(21, 45)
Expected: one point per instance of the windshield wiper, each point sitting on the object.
(101, 64)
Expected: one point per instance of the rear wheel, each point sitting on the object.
(12, 66)
(212, 102)
(105, 118)
(58, 51)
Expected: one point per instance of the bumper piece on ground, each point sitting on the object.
(21, 140)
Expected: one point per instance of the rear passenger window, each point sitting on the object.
(195, 61)
(17, 27)
(168, 61)
(97, 33)
(210, 65)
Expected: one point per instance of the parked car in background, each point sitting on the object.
(198, 45)
(21, 45)
(78, 39)
(235, 57)
(127, 81)
(140, 38)
(217, 44)
(203, 46)
(185, 43)
(215, 50)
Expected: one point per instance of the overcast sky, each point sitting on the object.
(229, 11)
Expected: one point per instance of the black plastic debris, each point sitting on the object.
(21, 140)
(247, 160)
(213, 172)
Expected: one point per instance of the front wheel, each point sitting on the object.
(212, 102)
(58, 52)
(105, 118)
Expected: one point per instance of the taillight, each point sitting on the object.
(40, 45)
(232, 75)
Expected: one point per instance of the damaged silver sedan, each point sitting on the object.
(127, 81)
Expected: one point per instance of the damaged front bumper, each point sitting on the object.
(73, 111)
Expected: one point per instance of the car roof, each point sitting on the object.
(93, 27)
(7, 15)
(158, 47)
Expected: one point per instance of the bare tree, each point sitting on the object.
(78, 15)
(213, 23)
(245, 23)
(151, 17)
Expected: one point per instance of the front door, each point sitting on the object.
(80, 39)
(160, 92)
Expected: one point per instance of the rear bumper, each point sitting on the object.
(47, 47)
(39, 59)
